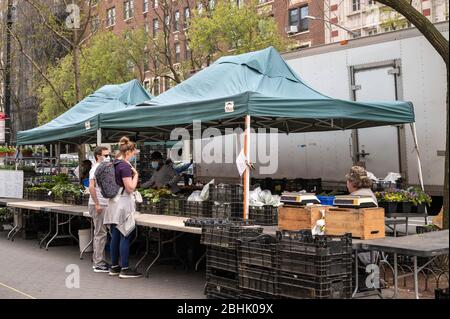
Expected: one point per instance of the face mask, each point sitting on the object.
(155, 165)
(107, 159)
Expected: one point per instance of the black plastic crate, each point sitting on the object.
(442, 294)
(173, 206)
(220, 292)
(303, 242)
(258, 251)
(264, 215)
(233, 210)
(252, 294)
(320, 266)
(223, 193)
(204, 221)
(219, 277)
(222, 259)
(310, 287)
(197, 209)
(146, 207)
(226, 236)
(258, 279)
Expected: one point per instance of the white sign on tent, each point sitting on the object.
(11, 184)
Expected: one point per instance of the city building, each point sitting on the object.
(346, 19)
(121, 15)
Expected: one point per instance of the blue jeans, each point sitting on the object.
(119, 246)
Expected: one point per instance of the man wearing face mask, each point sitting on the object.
(163, 175)
(97, 206)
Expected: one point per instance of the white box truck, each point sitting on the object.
(399, 65)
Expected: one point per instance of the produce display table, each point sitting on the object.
(428, 245)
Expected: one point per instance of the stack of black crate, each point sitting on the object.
(258, 267)
(314, 267)
(144, 162)
(227, 201)
(222, 273)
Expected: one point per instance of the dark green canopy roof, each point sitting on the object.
(262, 85)
(82, 119)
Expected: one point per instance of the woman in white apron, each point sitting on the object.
(119, 214)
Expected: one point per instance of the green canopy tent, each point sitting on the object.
(260, 87)
(80, 124)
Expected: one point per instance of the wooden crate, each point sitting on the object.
(297, 218)
(364, 223)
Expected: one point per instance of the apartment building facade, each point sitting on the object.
(347, 19)
(120, 15)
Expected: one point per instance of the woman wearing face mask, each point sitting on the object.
(163, 175)
(118, 211)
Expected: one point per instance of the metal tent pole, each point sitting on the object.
(416, 147)
(247, 149)
(419, 164)
(99, 137)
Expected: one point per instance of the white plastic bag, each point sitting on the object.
(319, 227)
(195, 197)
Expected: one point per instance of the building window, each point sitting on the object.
(155, 4)
(145, 6)
(111, 16)
(372, 32)
(371, 2)
(176, 23)
(356, 34)
(156, 86)
(128, 9)
(187, 51)
(212, 4)
(95, 23)
(263, 1)
(187, 14)
(177, 53)
(200, 8)
(356, 5)
(155, 26)
(297, 19)
(146, 28)
(147, 85)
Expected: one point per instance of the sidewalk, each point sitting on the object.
(30, 272)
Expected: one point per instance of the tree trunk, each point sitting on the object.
(438, 41)
(446, 172)
(76, 66)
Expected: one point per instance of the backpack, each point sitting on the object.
(105, 176)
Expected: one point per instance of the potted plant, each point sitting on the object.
(11, 151)
(3, 151)
(27, 152)
(389, 200)
(420, 200)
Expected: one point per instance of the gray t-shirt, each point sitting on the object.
(365, 192)
(101, 200)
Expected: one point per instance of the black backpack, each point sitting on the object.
(105, 176)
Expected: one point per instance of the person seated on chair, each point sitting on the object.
(164, 175)
(359, 183)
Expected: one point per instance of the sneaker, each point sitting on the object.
(129, 273)
(101, 268)
(114, 271)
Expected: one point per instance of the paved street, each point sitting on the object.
(30, 272)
